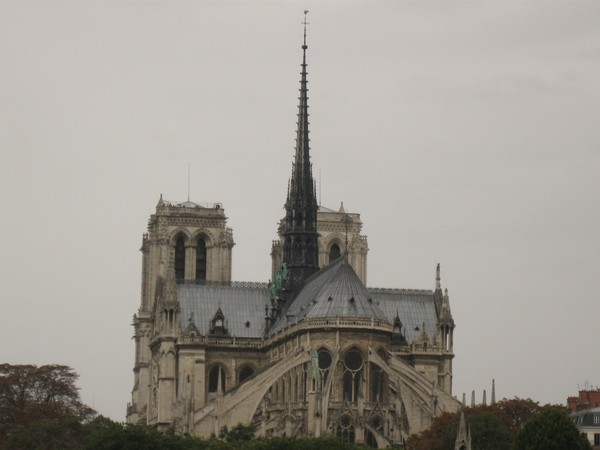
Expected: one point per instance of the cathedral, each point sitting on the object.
(312, 352)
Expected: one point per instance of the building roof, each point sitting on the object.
(242, 304)
(327, 294)
(334, 291)
(413, 307)
(587, 418)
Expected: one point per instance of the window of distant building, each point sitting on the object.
(596, 418)
(596, 439)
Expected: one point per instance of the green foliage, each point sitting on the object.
(238, 433)
(488, 432)
(104, 434)
(551, 430)
(493, 427)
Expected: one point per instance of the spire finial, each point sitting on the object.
(438, 278)
(304, 46)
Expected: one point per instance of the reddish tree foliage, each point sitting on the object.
(512, 415)
(32, 395)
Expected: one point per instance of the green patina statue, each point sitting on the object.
(284, 271)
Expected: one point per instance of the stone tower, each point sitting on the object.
(186, 243)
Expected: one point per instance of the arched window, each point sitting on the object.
(345, 430)
(353, 364)
(180, 258)
(201, 260)
(377, 383)
(245, 373)
(324, 359)
(334, 252)
(216, 377)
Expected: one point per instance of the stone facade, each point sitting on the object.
(312, 352)
(333, 227)
(373, 380)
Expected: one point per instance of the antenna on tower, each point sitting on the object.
(188, 182)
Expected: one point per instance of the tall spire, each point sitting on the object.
(300, 246)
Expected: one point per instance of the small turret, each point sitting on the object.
(463, 437)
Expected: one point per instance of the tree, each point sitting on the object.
(40, 405)
(551, 430)
(517, 411)
(492, 426)
(238, 433)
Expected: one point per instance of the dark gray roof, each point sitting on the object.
(239, 302)
(586, 417)
(245, 302)
(413, 307)
(334, 291)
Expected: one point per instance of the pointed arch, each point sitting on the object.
(179, 263)
(201, 259)
(179, 239)
(217, 378)
(246, 371)
(353, 362)
(344, 429)
(333, 247)
(334, 252)
(204, 234)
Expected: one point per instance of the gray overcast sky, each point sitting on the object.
(465, 133)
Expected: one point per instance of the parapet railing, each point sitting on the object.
(337, 322)
(222, 341)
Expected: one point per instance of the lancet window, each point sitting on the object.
(217, 379)
(353, 365)
(201, 260)
(180, 258)
(334, 252)
(345, 430)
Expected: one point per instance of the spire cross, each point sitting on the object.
(305, 23)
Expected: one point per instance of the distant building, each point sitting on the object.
(587, 399)
(588, 422)
(312, 352)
